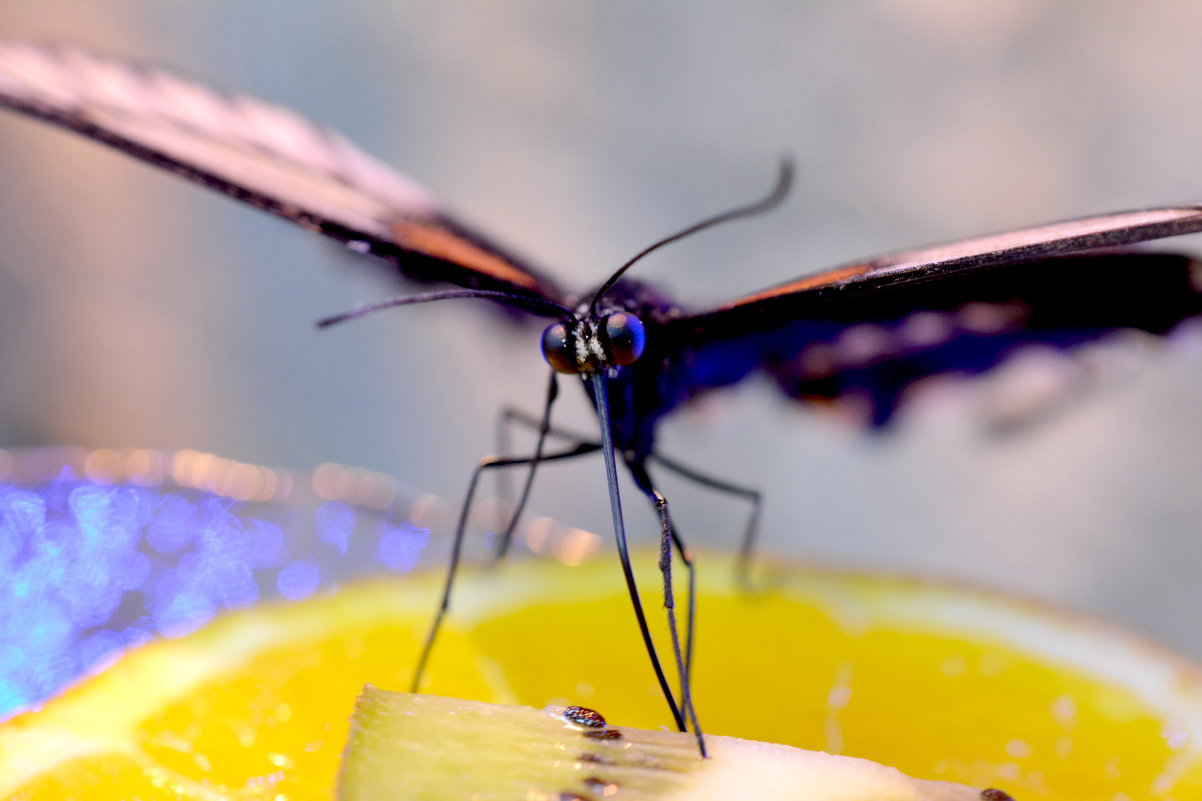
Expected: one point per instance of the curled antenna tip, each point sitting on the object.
(334, 319)
(786, 169)
(784, 180)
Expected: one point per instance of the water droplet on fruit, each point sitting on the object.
(583, 716)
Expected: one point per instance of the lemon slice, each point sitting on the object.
(943, 682)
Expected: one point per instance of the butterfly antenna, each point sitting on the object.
(537, 305)
(784, 179)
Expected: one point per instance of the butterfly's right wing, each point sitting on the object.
(264, 155)
(863, 334)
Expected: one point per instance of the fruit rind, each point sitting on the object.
(752, 769)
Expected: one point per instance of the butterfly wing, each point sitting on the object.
(863, 334)
(261, 154)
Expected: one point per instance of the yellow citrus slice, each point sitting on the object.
(941, 681)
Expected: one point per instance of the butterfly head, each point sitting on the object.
(589, 345)
(592, 341)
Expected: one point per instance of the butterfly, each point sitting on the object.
(861, 335)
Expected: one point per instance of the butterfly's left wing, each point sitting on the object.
(864, 333)
(264, 155)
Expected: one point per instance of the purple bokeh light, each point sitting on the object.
(95, 567)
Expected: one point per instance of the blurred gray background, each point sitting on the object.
(138, 310)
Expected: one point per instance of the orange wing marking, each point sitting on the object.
(435, 241)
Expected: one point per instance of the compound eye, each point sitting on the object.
(559, 349)
(626, 338)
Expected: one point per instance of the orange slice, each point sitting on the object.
(940, 681)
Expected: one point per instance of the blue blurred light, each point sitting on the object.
(173, 525)
(92, 569)
(298, 580)
(401, 546)
(335, 522)
(265, 544)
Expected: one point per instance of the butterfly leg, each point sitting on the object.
(488, 463)
(670, 538)
(505, 421)
(511, 416)
(599, 389)
(543, 427)
(751, 495)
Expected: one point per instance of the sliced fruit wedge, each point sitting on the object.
(405, 747)
(940, 681)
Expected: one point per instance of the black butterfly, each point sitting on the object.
(860, 334)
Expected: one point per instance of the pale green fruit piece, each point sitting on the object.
(430, 748)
